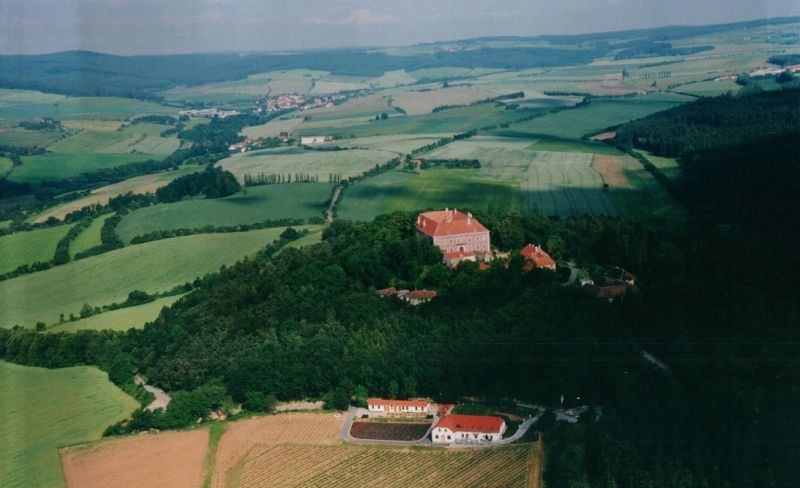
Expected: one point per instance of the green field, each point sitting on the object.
(108, 278)
(431, 188)
(255, 204)
(417, 102)
(122, 319)
(599, 114)
(5, 166)
(100, 108)
(399, 144)
(54, 166)
(27, 138)
(138, 184)
(372, 196)
(139, 138)
(669, 167)
(447, 121)
(29, 247)
(46, 409)
(90, 237)
(296, 160)
(273, 128)
(554, 183)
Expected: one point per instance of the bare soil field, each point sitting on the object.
(249, 438)
(171, 460)
(393, 431)
(612, 170)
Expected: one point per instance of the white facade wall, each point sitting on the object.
(443, 435)
(398, 410)
(314, 139)
(471, 242)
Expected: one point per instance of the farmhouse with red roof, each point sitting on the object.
(458, 235)
(468, 429)
(382, 406)
(536, 257)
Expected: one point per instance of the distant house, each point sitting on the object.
(468, 429)
(400, 408)
(414, 297)
(458, 235)
(308, 140)
(536, 257)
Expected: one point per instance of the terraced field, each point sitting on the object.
(107, 278)
(254, 204)
(348, 465)
(44, 409)
(29, 247)
(294, 160)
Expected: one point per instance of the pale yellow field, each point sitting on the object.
(273, 128)
(423, 102)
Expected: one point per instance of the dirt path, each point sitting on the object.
(162, 399)
(536, 464)
(334, 199)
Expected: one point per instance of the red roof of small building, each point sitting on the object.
(459, 255)
(385, 292)
(537, 256)
(448, 222)
(471, 423)
(611, 291)
(398, 403)
(422, 294)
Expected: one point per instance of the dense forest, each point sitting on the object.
(740, 155)
(308, 323)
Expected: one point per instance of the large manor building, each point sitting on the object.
(458, 235)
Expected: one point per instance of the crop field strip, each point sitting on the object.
(44, 409)
(90, 237)
(294, 160)
(347, 465)
(253, 204)
(109, 277)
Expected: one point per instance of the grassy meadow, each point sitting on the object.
(60, 107)
(46, 409)
(54, 166)
(29, 247)
(109, 277)
(253, 204)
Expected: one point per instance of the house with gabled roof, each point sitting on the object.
(464, 429)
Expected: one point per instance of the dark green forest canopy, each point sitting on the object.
(740, 155)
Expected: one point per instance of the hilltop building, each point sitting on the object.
(536, 257)
(468, 429)
(458, 235)
(414, 297)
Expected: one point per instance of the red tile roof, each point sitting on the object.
(537, 256)
(611, 291)
(398, 403)
(448, 222)
(471, 423)
(422, 294)
(385, 292)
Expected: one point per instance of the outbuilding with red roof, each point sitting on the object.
(468, 429)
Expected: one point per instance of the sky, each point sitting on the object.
(180, 26)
